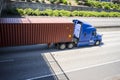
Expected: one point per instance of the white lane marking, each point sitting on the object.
(9, 60)
(41, 77)
(92, 66)
(73, 70)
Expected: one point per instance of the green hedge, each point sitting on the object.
(105, 5)
(49, 12)
(59, 1)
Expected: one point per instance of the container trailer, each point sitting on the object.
(61, 32)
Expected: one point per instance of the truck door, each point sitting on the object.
(84, 38)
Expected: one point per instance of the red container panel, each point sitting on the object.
(14, 34)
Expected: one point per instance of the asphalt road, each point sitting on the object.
(36, 62)
(107, 71)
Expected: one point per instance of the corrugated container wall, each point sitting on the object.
(14, 34)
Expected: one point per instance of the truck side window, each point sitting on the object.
(93, 33)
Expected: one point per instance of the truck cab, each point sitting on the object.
(87, 34)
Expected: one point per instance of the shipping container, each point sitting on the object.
(30, 31)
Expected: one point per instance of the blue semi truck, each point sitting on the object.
(87, 34)
(84, 34)
(62, 32)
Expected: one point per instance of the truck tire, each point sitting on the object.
(70, 45)
(97, 43)
(62, 46)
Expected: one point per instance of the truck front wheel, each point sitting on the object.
(97, 43)
(62, 46)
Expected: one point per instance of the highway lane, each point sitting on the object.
(107, 71)
(36, 62)
(24, 62)
(108, 51)
(92, 63)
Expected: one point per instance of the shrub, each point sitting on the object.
(106, 5)
(36, 12)
(61, 13)
(64, 13)
(42, 13)
(20, 11)
(111, 14)
(75, 13)
(28, 11)
(69, 3)
(52, 1)
(104, 14)
(98, 5)
(64, 1)
(56, 13)
(48, 12)
(67, 13)
(59, 1)
(115, 14)
(86, 14)
(81, 13)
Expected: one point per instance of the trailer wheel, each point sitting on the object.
(97, 43)
(62, 46)
(70, 45)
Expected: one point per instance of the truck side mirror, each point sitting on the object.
(94, 33)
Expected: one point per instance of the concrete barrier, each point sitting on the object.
(43, 6)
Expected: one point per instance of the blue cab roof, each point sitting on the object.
(85, 25)
(83, 22)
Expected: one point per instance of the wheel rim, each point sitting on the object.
(62, 46)
(70, 45)
(98, 42)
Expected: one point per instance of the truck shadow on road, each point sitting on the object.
(43, 48)
(25, 63)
